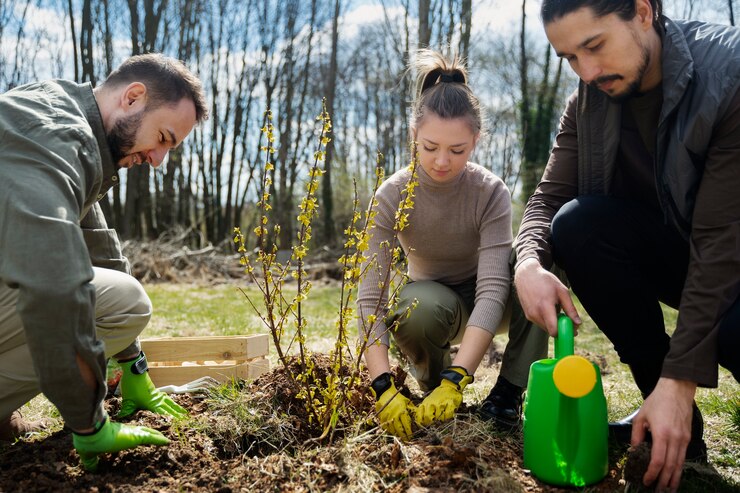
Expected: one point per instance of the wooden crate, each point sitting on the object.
(179, 360)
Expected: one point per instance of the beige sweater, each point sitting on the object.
(457, 231)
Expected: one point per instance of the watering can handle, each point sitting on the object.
(564, 345)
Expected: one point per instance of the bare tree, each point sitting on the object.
(4, 18)
(246, 166)
(327, 192)
(139, 210)
(113, 211)
(87, 32)
(732, 14)
(425, 29)
(536, 116)
(466, 24)
(285, 169)
(19, 58)
(172, 198)
(70, 12)
(242, 102)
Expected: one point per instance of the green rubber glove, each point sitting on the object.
(113, 437)
(442, 402)
(394, 409)
(138, 391)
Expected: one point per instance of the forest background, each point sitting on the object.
(286, 55)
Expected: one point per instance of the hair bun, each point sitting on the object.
(454, 76)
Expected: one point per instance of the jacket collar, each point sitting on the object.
(92, 111)
(677, 66)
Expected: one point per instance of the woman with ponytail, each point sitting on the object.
(457, 243)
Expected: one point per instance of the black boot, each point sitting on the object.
(621, 432)
(503, 405)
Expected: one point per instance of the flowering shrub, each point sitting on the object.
(325, 399)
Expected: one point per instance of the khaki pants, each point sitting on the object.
(439, 320)
(122, 310)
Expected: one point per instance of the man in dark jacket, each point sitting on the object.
(639, 205)
(67, 301)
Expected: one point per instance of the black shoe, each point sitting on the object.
(696, 451)
(503, 405)
(621, 431)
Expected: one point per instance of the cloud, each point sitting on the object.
(504, 16)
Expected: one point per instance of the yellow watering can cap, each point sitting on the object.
(574, 376)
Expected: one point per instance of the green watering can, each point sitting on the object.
(565, 422)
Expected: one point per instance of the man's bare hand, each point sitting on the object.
(667, 414)
(540, 292)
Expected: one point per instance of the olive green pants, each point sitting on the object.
(424, 336)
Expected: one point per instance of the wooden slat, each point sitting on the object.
(257, 367)
(212, 348)
(178, 375)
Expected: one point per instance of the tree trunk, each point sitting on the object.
(732, 14)
(114, 212)
(425, 30)
(526, 165)
(139, 219)
(86, 44)
(74, 41)
(285, 168)
(327, 192)
(536, 119)
(466, 22)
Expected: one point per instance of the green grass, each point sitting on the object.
(182, 310)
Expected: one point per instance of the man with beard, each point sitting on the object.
(639, 204)
(67, 301)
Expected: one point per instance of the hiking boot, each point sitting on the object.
(621, 432)
(503, 406)
(15, 426)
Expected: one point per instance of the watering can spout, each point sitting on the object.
(565, 420)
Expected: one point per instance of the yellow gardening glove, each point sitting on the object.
(442, 402)
(394, 409)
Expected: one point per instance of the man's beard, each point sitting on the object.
(633, 87)
(122, 137)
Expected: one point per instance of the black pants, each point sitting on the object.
(621, 261)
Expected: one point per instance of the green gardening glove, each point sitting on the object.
(442, 402)
(113, 437)
(394, 409)
(138, 391)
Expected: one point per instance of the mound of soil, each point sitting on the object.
(214, 451)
